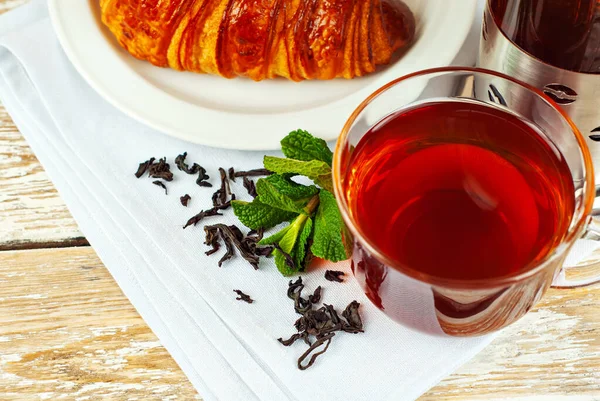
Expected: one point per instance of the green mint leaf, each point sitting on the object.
(328, 241)
(316, 170)
(256, 215)
(301, 253)
(282, 193)
(275, 238)
(301, 145)
(284, 184)
(288, 244)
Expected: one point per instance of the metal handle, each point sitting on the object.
(583, 274)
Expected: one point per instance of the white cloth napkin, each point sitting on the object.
(228, 349)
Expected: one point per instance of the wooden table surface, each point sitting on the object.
(67, 331)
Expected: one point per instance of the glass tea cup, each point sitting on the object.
(466, 307)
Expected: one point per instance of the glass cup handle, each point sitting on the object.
(582, 275)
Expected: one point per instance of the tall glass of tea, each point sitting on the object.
(553, 45)
(464, 190)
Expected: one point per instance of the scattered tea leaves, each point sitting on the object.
(334, 275)
(219, 200)
(321, 323)
(243, 297)
(160, 170)
(316, 227)
(160, 184)
(185, 199)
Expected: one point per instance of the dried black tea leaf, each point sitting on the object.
(160, 169)
(219, 198)
(334, 275)
(295, 288)
(200, 216)
(243, 297)
(315, 298)
(352, 316)
(202, 177)
(259, 172)
(185, 199)
(204, 184)
(143, 167)
(231, 172)
(160, 184)
(182, 165)
(250, 187)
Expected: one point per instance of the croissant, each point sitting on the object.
(262, 39)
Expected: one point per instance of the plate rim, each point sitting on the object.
(99, 84)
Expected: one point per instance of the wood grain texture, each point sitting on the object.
(6, 5)
(552, 354)
(68, 332)
(32, 213)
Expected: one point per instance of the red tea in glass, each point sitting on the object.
(464, 190)
(460, 190)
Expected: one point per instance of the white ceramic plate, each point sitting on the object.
(240, 113)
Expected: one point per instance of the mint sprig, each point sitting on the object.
(316, 227)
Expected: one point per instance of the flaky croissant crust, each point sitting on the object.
(260, 39)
